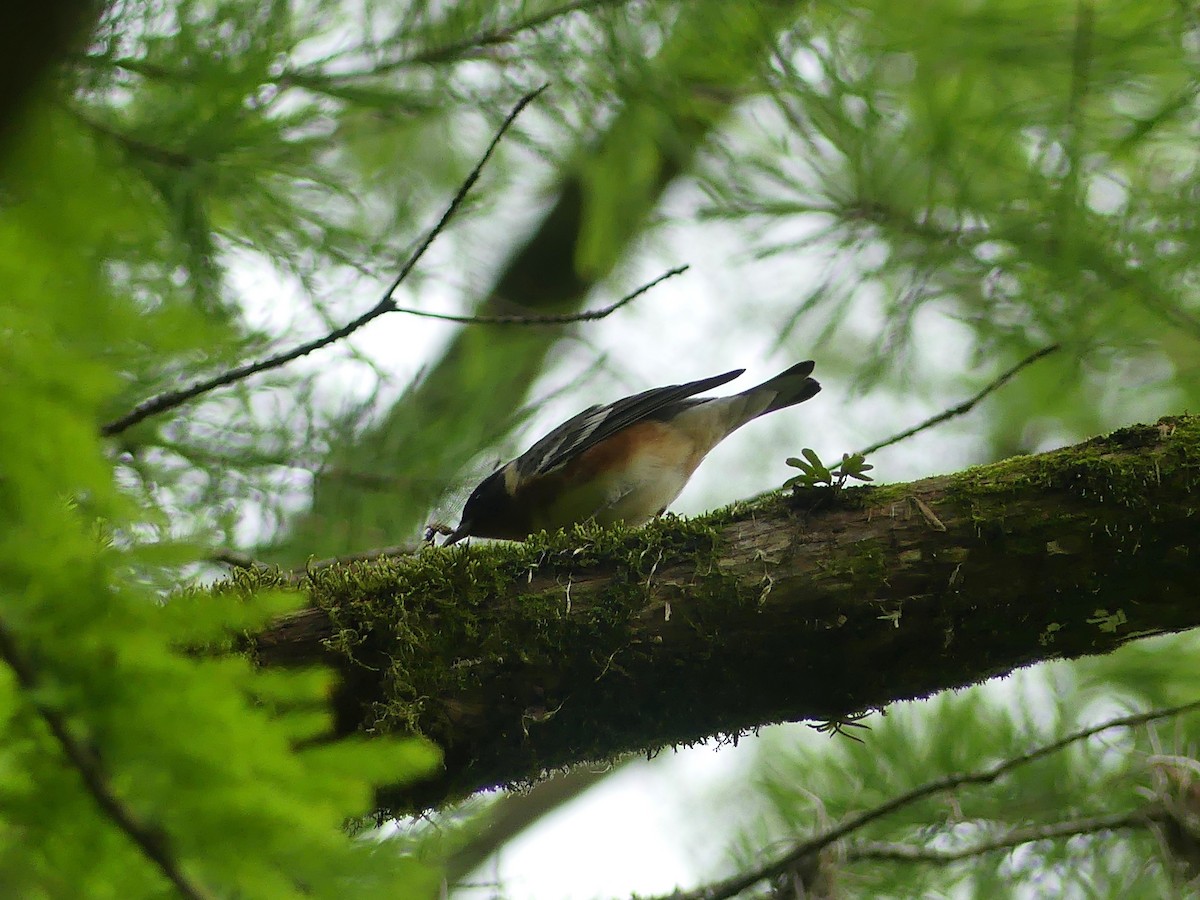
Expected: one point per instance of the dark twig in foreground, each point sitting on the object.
(561, 319)
(160, 403)
(966, 406)
(1138, 818)
(738, 883)
(152, 842)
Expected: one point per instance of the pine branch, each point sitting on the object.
(490, 38)
(169, 400)
(152, 842)
(740, 882)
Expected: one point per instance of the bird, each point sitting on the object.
(622, 462)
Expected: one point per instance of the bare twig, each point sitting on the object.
(1138, 818)
(561, 319)
(966, 406)
(170, 399)
(151, 841)
(738, 883)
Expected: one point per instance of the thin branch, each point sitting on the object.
(311, 76)
(151, 841)
(738, 883)
(460, 196)
(171, 399)
(966, 406)
(562, 319)
(501, 35)
(1138, 818)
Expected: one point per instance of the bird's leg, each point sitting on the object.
(435, 528)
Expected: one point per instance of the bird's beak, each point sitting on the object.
(463, 529)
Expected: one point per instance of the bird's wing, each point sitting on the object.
(596, 423)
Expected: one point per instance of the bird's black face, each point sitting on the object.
(485, 513)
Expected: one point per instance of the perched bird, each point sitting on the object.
(624, 462)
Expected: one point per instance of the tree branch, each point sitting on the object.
(1138, 818)
(168, 400)
(743, 880)
(518, 659)
(151, 841)
(502, 35)
(966, 406)
(590, 315)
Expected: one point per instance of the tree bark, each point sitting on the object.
(518, 659)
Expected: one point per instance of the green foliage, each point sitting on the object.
(810, 783)
(212, 756)
(1026, 180)
(1025, 170)
(815, 473)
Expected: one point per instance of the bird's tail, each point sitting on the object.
(790, 387)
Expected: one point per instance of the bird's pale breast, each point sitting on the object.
(630, 477)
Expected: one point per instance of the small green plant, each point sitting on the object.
(814, 473)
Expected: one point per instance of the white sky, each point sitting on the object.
(634, 833)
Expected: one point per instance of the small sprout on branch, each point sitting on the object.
(815, 473)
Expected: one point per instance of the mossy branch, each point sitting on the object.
(517, 659)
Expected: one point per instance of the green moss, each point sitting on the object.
(862, 562)
(882, 495)
(398, 621)
(1096, 470)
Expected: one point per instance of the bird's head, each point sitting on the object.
(488, 511)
